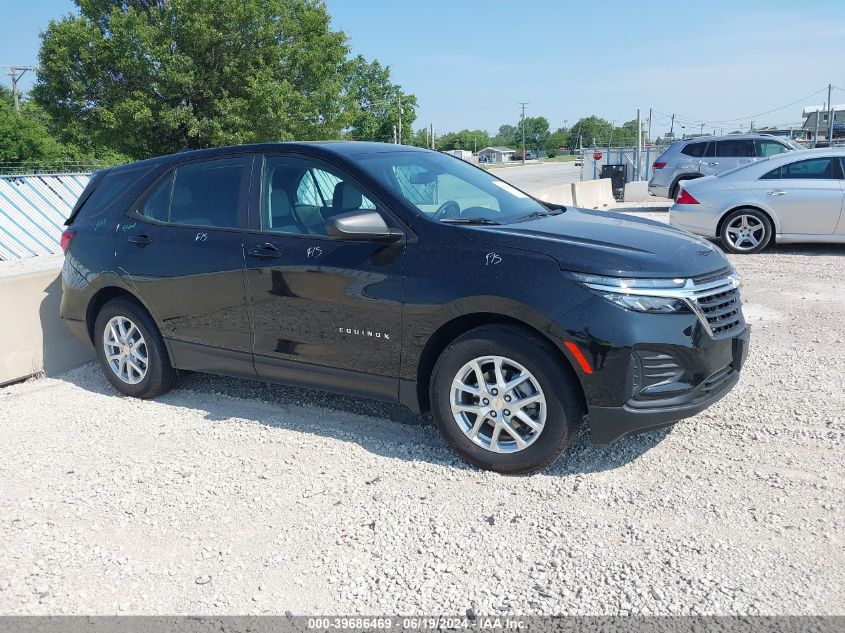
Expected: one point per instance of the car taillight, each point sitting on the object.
(67, 236)
(686, 198)
(659, 165)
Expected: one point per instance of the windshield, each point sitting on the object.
(448, 189)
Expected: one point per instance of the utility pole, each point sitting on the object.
(431, 134)
(672, 128)
(639, 146)
(701, 132)
(648, 136)
(751, 129)
(16, 72)
(816, 131)
(400, 119)
(523, 104)
(831, 114)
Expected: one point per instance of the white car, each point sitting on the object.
(792, 197)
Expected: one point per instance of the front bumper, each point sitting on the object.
(650, 370)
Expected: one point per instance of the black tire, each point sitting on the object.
(564, 408)
(160, 375)
(764, 234)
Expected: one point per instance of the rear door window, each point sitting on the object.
(735, 148)
(206, 193)
(696, 150)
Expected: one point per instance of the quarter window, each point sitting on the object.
(769, 148)
(199, 194)
(812, 169)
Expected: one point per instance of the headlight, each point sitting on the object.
(646, 304)
(642, 295)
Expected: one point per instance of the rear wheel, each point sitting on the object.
(131, 351)
(503, 400)
(746, 231)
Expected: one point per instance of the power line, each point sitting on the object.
(687, 119)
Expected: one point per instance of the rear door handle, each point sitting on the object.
(140, 240)
(267, 251)
(776, 193)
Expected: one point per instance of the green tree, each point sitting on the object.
(507, 137)
(557, 139)
(372, 102)
(420, 138)
(146, 77)
(536, 133)
(588, 129)
(472, 140)
(25, 137)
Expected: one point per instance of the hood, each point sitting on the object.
(605, 243)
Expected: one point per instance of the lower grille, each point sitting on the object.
(715, 380)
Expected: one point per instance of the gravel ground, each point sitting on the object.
(233, 497)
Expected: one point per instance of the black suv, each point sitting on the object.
(406, 275)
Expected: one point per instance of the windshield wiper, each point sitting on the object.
(537, 214)
(469, 221)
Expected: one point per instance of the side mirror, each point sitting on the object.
(362, 224)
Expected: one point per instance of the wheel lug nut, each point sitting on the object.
(507, 398)
(506, 412)
(492, 414)
(495, 392)
(486, 401)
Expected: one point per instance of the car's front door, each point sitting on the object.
(805, 195)
(181, 250)
(324, 310)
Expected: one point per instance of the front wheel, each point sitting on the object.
(131, 351)
(504, 401)
(746, 231)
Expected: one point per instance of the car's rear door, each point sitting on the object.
(181, 250)
(806, 195)
(732, 153)
(325, 311)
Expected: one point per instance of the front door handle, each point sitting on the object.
(140, 240)
(776, 193)
(267, 251)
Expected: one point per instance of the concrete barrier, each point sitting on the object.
(593, 194)
(560, 194)
(33, 338)
(636, 191)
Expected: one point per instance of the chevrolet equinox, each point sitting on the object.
(402, 274)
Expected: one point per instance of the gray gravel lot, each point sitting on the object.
(227, 496)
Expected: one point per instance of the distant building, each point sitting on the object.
(463, 154)
(496, 154)
(811, 113)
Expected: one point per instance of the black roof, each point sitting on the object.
(342, 148)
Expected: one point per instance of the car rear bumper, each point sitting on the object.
(697, 219)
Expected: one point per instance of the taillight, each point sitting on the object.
(686, 198)
(67, 236)
(659, 165)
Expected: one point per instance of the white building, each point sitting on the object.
(496, 154)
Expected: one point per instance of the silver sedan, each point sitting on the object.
(791, 197)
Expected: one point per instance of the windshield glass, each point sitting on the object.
(447, 189)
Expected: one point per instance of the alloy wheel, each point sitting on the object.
(745, 232)
(125, 350)
(498, 404)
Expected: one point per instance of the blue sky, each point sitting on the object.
(470, 62)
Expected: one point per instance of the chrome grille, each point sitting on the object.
(719, 306)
